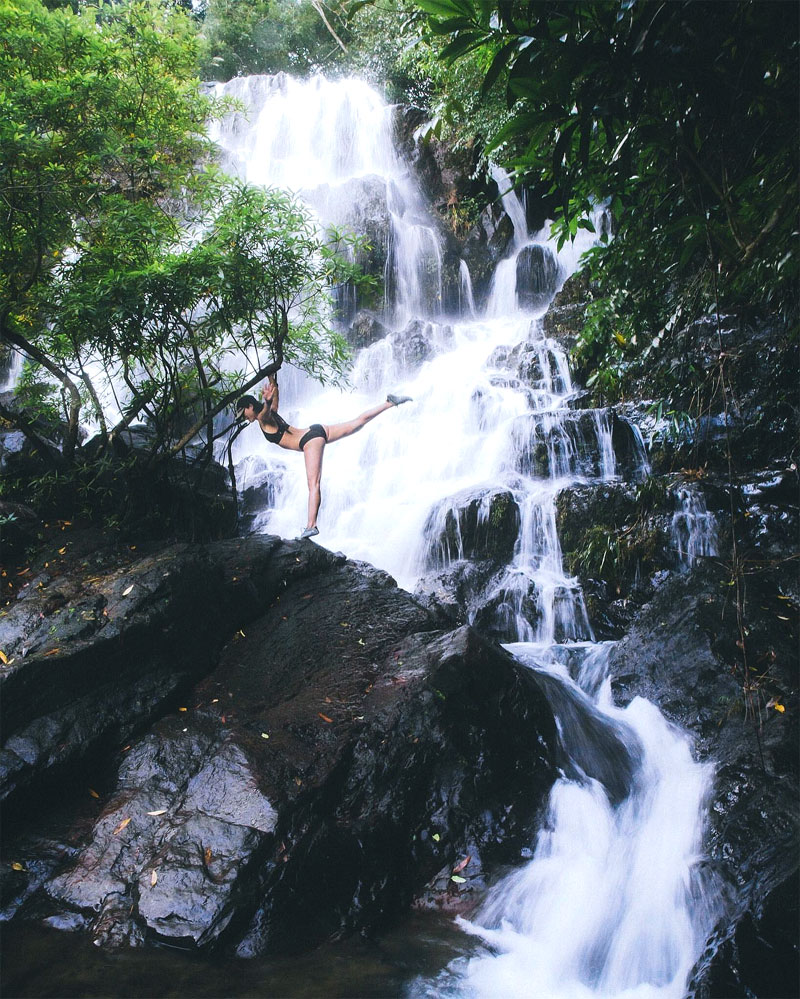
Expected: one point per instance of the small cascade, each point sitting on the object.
(456, 494)
(694, 527)
(10, 370)
(331, 143)
(613, 903)
(466, 300)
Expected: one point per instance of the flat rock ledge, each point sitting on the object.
(309, 750)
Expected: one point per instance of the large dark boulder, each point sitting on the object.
(538, 275)
(735, 690)
(341, 752)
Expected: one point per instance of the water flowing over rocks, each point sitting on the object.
(340, 752)
(680, 651)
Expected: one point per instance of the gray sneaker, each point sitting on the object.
(308, 532)
(398, 400)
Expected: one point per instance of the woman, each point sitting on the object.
(310, 440)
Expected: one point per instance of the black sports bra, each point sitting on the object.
(282, 425)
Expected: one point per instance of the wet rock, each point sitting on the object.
(365, 330)
(95, 653)
(577, 443)
(486, 244)
(473, 526)
(682, 653)
(415, 343)
(538, 274)
(299, 792)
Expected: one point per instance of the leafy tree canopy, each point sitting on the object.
(123, 263)
(681, 116)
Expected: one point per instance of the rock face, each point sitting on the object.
(340, 753)
(683, 653)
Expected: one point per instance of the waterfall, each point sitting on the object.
(694, 528)
(611, 903)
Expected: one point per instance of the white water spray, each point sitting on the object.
(611, 906)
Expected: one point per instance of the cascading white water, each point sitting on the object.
(694, 527)
(610, 905)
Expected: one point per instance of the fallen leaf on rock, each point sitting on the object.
(154, 878)
(462, 864)
(298, 781)
(436, 837)
(458, 880)
(183, 709)
(325, 718)
(265, 735)
(3, 658)
(93, 793)
(16, 866)
(207, 855)
(158, 811)
(61, 551)
(361, 641)
(126, 592)
(121, 826)
(52, 652)
(24, 571)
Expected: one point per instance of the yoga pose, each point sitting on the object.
(310, 440)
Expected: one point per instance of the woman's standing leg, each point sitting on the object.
(312, 453)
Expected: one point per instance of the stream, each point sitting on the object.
(612, 901)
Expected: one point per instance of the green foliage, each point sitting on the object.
(125, 265)
(681, 116)
(265, 36)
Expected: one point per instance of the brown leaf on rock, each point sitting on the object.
(121, 826)
(462, 864)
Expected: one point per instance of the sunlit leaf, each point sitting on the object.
(158, 811)
(93, 793)
(16, 866)
(154, 877)
(126, 592)
(325, 718)
(121, 826)
(458, 879)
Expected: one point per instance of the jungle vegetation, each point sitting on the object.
(123, 246)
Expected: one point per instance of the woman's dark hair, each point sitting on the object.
(249, 400)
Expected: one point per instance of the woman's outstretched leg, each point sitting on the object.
(336, 431)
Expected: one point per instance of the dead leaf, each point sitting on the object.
(61, 551)
(462, 864)
(154, 877)
(325, 718)
(52, 652)
(24, 571)
(3, 658)
(158, 811)
(298, 781)
(16, 866)
(126, 592)
(207, 856)
(93, 793)
(121, 826)
(183, 709)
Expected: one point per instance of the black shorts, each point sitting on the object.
(315, 430)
